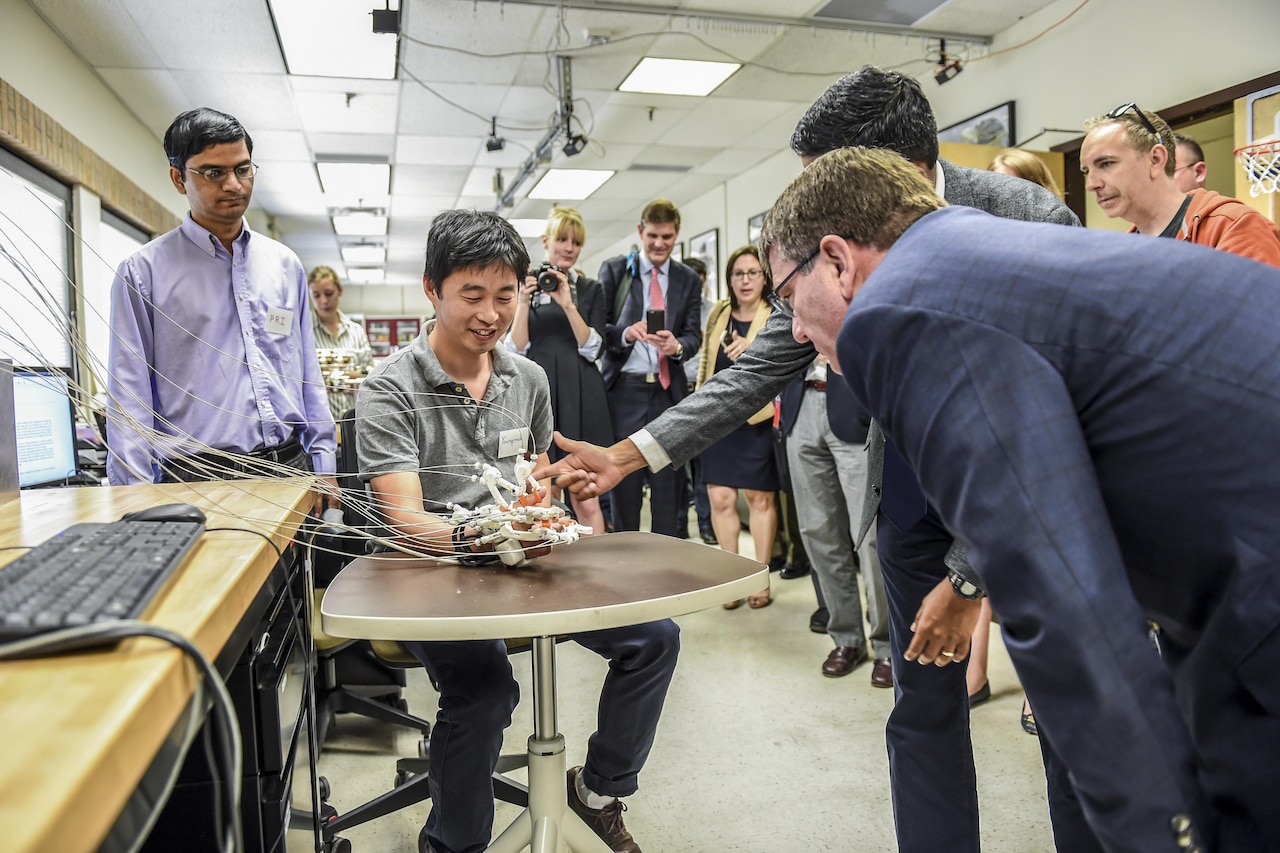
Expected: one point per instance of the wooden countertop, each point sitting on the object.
(80, 730)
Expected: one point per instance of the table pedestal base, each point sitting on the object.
(548, 825)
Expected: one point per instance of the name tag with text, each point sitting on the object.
(512, 441)
(279, 321)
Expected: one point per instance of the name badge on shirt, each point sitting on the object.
(279, 321)
(512, 441)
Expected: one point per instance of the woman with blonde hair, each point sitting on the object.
(559, 324)
(1025, 165)
(336, 331)
(744, 458)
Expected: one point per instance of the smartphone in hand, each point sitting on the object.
(656, 318)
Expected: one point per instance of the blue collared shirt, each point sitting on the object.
(644, 357)
(212, 350)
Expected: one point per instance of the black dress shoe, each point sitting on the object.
(709, 536)
(1029, 723)
(776, 564)
(983, 694)
(791, 571)
(882, 673)
(843, 660)
(818, 621)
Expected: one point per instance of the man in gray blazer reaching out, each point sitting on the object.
(930, 754)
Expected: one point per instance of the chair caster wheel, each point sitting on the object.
(338, 845)
(424, 747)
(403, 777)
(323, 785)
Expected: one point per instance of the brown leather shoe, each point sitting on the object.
(882, 673)
(605, 822)
(843, 660)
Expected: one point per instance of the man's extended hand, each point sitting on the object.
(590, 470)
(943, 627)
(328, 495)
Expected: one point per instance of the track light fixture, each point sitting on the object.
(574, 144)
(494, 142)
(948, 66)
(386, 21)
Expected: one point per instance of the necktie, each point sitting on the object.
(657, 303)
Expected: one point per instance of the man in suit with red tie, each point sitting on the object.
(643, 350)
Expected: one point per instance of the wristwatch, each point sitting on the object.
(679, 351)
(965, 588)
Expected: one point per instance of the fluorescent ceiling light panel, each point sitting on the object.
(355, 184)
(570, 184)
(364, 255)
(359, 225)
(677, 76)
(531, 228)
(366, 275)
(333, 38)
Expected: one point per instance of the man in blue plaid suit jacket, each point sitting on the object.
(1095, 416)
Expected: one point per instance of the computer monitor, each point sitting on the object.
(45, 427)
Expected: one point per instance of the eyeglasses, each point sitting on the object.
(1146, 122)
(779, 302)
(217, 174)
(743, 275)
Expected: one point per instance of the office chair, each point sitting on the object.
(411, 773)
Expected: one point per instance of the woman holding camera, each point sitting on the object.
(744, 458)
(559, 324)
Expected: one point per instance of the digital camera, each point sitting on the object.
(547, 278)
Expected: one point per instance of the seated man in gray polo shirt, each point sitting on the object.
(432, 410)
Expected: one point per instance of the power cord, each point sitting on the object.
(229, 828)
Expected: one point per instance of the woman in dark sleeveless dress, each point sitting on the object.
(744, 458)
(562, 329)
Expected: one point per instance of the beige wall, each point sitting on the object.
(37, 63)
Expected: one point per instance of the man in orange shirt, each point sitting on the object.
(1128, 163)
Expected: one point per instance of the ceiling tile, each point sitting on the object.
(103, 33)
(333, 112)
(378, 147)
(155, 97)
(259, 101)
(438, 150)
(279, 145)
(190, 36)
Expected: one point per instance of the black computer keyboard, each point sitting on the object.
(91, 573)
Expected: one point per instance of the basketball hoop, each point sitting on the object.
(1261, 162)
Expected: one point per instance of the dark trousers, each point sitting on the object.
(931, 774)
(632, 404)
(1071, 830)
(701, 502)
(478, 695)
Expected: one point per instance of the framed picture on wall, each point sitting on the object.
(991, 127)
(705, 246)
(677, 251)
(754, 224)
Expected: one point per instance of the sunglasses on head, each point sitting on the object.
(1146, 122)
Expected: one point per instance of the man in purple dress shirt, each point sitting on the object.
(213, 371)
